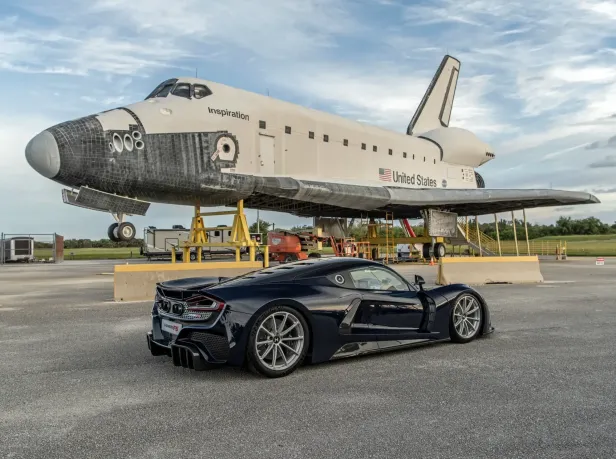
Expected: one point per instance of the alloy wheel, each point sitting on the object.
(467, 316)
(279, 341)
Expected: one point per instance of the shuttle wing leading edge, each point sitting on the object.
(309, 198)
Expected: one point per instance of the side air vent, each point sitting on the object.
(479, 179)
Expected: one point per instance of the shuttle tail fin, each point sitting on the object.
(434, 111)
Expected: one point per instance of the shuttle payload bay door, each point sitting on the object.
(266, 154)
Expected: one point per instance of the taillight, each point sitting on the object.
(200, 303)
(157, 303)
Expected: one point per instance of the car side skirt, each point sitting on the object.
(375, 347)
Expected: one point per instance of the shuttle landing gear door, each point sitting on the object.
(265, 161)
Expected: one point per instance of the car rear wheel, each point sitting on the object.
(278, 342)
(465, 321)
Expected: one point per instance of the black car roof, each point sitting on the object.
(304, 268)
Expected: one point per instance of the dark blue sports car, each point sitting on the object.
(316, 310)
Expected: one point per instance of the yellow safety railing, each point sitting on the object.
(536, 247)
(477, 237)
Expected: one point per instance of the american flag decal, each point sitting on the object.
(385, 174)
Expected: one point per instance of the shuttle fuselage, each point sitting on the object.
(170, 147)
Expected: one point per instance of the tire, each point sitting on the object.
(259, 257)
(289, 259)
(460, 333)
(126, 231)
(112, 232)
(259, 359)
(193, 256)
(439, 250)
(426, 251)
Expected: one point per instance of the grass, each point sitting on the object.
(586, 245)
(93, 254)
(577, 245)
(580, 238)
(122, 253)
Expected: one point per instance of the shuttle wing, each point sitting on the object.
(314, 198)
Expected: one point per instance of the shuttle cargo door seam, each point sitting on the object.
(266, 154)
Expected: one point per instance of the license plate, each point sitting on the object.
(170, 327)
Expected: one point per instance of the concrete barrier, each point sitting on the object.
(137, 282)
(489, 270)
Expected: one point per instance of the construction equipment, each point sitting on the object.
(349, 247)
(406, 226)
(287, 246)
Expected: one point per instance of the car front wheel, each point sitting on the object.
(465, 320)
(278, 342)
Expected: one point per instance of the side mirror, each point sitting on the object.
(419, 281)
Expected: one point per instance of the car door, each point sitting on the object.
(395, 310)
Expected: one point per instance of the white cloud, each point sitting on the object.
(105, 101)
(606, 10)
(132, 37)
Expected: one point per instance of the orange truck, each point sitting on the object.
(286, 247)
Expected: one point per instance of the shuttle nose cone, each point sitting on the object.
(42, 154)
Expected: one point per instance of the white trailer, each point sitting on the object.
(160, 242)
(18, 249)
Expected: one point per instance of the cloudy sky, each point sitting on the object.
(538, 81)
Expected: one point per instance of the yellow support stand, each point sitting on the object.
(198, 235)
(240, 232)
(240, 235)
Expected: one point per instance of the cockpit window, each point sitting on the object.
(162, 89)
(181, 90)
(201, 91)
(198, 91)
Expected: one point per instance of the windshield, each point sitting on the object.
(162, 89)
(180, 89)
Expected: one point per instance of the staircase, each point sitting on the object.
(478, 241)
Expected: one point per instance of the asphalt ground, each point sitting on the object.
(77, 381)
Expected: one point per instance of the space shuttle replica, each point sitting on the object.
(196, 142)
